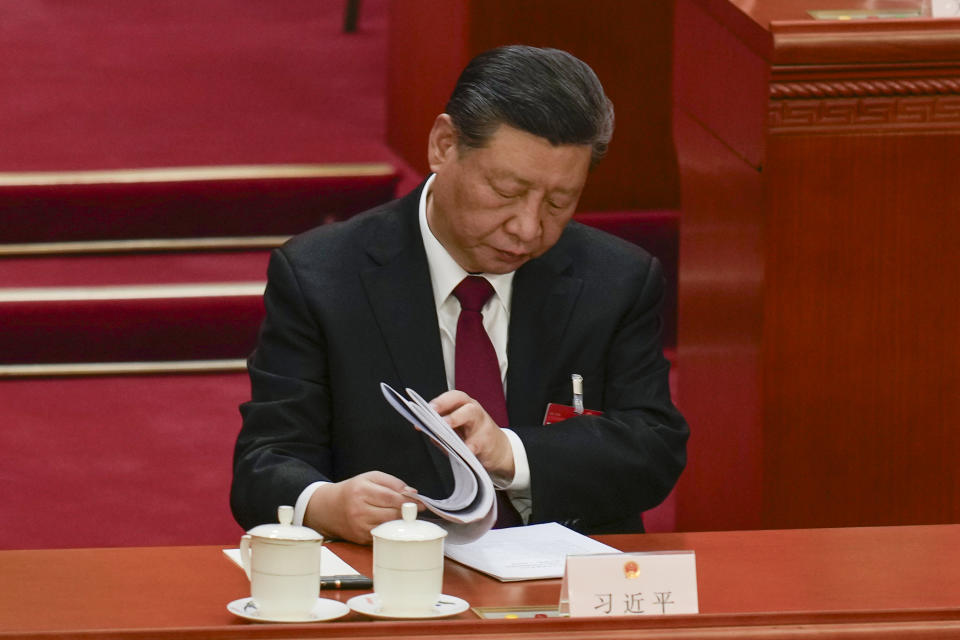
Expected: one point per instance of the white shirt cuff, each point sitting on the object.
(521, 468)
(300, 509)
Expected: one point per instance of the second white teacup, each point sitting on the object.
(408, 564)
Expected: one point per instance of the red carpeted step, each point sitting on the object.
(133, 268)
(119, 461)
(186, 202)
(205, 321)
(110, 308)
(659, 233)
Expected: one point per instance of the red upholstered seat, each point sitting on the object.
(657, 232)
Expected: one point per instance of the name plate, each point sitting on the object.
(630, 584)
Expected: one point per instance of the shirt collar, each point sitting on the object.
(445, 273)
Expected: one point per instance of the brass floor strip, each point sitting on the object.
(133, 292)
(192, 174)
(121, 368)
(145, 244)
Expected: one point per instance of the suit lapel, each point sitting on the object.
(402, 300)
(398, 290)
(543, 298)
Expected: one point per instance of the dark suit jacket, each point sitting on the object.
(350, 305)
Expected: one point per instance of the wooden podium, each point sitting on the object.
(819, 338)
(856, 584)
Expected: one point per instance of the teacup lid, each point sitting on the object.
(409, 528)
(286, 530)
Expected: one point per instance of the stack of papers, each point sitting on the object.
(525, 553)
(470, 511)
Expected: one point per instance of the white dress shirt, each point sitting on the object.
(445, 275)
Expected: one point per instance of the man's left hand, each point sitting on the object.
(480, 433)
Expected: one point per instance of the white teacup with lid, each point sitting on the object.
(282, 562)
(408, 564)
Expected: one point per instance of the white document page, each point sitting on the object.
(330, 563)
(525, 553)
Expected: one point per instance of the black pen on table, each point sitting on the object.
(346, 582)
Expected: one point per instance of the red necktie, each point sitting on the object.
(477, 369)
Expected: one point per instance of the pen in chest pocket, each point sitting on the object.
(576, 381)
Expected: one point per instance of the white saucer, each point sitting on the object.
(324, 609)
(369, 605)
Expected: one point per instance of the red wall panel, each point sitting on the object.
(628, 44)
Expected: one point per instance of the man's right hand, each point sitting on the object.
(351, 508)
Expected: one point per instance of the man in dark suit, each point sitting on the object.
(376, 299)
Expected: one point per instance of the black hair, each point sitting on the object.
(546, 92)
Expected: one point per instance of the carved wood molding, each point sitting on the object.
(851, 114)
(866, 87)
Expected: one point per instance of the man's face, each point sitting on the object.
(496, 207)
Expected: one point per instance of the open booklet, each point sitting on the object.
(471, 509)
